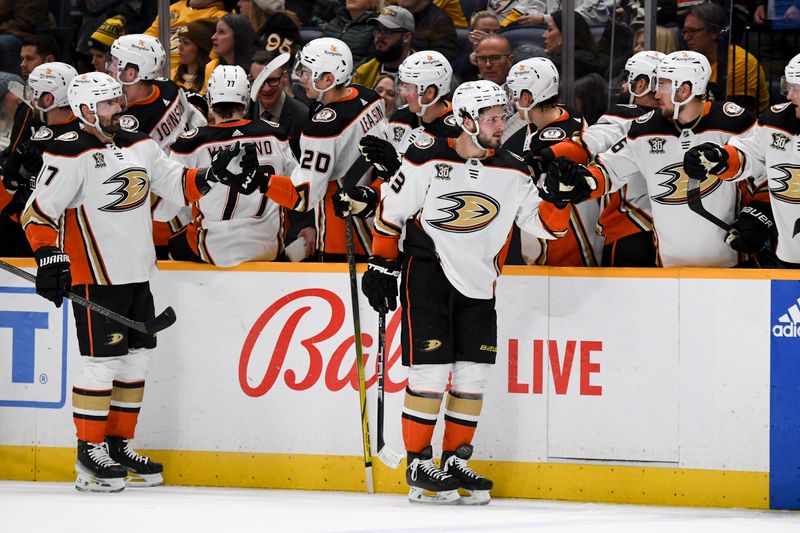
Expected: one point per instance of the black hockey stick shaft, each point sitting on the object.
(354, 173)
(696, 205)
(154, 325)
(381, 366)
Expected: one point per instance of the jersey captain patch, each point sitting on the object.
(133, 188)
(326, 115)
(470, 211)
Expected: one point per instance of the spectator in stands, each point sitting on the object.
(182, 13)
(434, 28)
(494, 58)
(591, 97)
(666, 41)
(387, 88)
(538, 12)
(19, 19)
(102, 38)
(351, 25)
(234, 43)
(747, 84)
(193, 53)
(394, 32)
(481, 24)
(587, 58)
(8, 106)
(312, 12)
(277, 28)
(273, 103)
(36, 49)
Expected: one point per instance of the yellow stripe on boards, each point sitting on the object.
(550, 481)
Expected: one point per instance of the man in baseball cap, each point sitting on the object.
(394, 31)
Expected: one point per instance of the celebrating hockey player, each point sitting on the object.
(534, 85)
(626, 220)
(156, 107)
(329, 146)
(227, 227)
(655, 148)
(771, 149)
(88, 222)
(457, 200)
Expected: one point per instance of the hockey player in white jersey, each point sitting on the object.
(329, 145)
(156, 107)
(771, 149)
(457, 200)
(626, 220)
(655, 148)
(534, 86)
(228, 227)
(88, 222)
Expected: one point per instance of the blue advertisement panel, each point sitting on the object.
(784, 453)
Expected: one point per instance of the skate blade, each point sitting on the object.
(135, 480)
(447, 497)
(89, 483)
(475, 497)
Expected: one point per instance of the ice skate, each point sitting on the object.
(141, 470)
(428, 483)
(478, 487)
(97, 472)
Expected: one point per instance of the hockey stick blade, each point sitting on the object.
(154, 325)
(696, 205)
(389, 457)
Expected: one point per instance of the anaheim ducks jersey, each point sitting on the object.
(654, 148)
(773, 149)
(626, 211)
(405, 127)
(464, 209)
(92, 199)
(163, 115)
(229, 228)
(581, 245)
(328, 146)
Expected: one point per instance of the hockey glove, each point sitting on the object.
(379, 283)
(360, 201)
(237, 168)
(753, 230)
(705, 159)
(566, 182)
(53, 278)
(536, 165)
(380, 154)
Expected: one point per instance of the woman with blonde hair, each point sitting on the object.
(666, 41)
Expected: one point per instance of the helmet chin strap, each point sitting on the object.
(321, 92)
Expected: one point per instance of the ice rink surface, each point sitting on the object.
(59, 508)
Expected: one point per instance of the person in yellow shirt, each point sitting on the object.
(747, 84)
(182, 13)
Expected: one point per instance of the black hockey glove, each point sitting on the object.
(16, 206)
(53, 278)
(536, 165)
(705, 159)
(566, 182)
(380, 154)
(379, 283)
(753, 229)
(237, 167)
(360, 201)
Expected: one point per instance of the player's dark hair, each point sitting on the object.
(45, 45)
(226, 110)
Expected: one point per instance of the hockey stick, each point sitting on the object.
(696, 205)
(359, 167)
(389, 457)
(154, 325)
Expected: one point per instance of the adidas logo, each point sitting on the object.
(236, 133)
(789, 322)
(166, 102)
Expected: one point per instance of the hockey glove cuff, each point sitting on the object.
(53, 278)
(359, 201)
(566, 182)
(379, 283)
(753, 230)
(381, 154)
